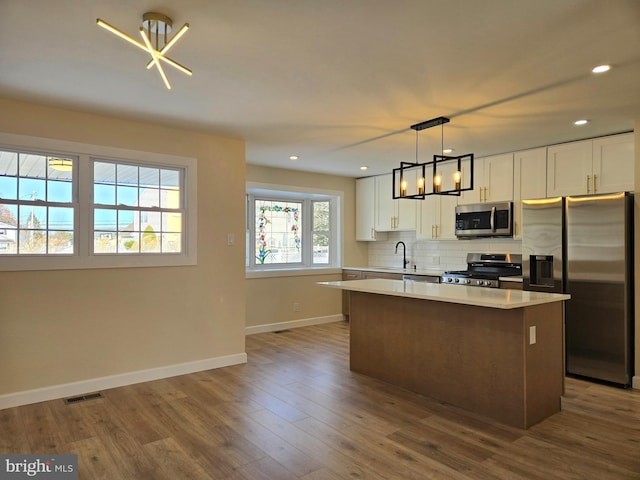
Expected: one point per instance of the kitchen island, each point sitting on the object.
(495, 352)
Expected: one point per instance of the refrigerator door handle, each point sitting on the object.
(493, 219)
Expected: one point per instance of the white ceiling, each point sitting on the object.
(339, 82)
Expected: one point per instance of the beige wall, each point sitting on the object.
(270, 300)
(73, 325)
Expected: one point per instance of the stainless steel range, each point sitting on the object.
(485, 269)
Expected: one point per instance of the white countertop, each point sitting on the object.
(476, 296)
(405, 271)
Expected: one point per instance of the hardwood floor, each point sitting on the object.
(296, 411)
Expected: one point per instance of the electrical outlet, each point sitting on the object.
(532, 335)
(296, 306)
(231, 239)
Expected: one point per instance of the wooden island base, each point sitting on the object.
(477, 358)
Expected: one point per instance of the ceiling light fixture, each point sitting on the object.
(364, 167)
(601, 69)
(293, 157)
(61, 164)
(154, 32)
(581, 122)
(409, 181)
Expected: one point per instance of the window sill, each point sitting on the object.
(292, 272)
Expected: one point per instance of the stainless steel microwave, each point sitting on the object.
(484, 220)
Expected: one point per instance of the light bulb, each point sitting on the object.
(403, 188)
(457, 176)
(437, 181)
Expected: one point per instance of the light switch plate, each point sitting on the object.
(532, 335)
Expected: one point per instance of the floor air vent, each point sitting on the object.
(281, 331)
(82, 398)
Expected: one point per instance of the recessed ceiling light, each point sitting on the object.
(293, 157)
(447, 150)
(581, 122)
(601, 68)
(364, 167)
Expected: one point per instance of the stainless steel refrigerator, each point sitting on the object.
(583, 246)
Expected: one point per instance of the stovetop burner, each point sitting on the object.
(485, 269)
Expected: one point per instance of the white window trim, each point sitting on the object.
(83, 258)
(275, 190)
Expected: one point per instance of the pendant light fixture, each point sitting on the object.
(447, 178)
(154, 32)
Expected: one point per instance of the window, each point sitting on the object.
(61, 210)
(292, 230)
(136, 209)
(38, 204)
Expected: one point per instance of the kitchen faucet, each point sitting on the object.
(405, 262)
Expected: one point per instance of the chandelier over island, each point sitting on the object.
(445, 175)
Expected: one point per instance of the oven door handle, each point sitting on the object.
(493, 219)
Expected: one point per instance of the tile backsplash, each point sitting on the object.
(435, 254)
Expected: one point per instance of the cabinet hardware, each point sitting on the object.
(436, 231)
(595, 190)
(588, 180)
(432, 235)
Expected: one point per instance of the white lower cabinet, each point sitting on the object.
(436, 218)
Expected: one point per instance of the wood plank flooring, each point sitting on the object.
(296, 411)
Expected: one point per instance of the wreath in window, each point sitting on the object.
(263, 221)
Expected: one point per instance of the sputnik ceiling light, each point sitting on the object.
(154, 32)
(409, 181)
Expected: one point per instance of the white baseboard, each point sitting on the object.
(86, 386)
(635, 383)
(305, 322)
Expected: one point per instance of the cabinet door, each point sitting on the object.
(497, 179)
(569, 169)
(447, 217)
(436, 218)
(475, 195)
(385, 205)
(529, 181)
(365, 209)
(427, 218)
(406, 214)
(613, 164)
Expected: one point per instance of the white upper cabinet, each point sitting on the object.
(603, 165)
(613, 164)
(569, 168)
(392, 215)
(366, 211)
(529, 181)
(436, 218)
(493, 180)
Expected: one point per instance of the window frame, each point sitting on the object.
(136, 208)
(83, 256)
(46, 203)
(282, 193)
